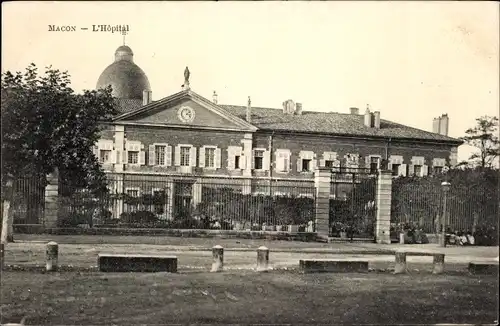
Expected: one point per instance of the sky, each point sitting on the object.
(412, 61)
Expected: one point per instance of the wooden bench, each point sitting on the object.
(332, 266)
(400, 267)
(136, 263)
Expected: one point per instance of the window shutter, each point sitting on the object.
(243, 159)
(411, 170)
(177, 156)
(425, 170)
(266, 161)
(253, 160)
(280, 162)
(152, 155)
(168, 155)
(124, 156)
(95, 150)
(322, 163)
(218, 158)
(299, 164)
(368, 161)
(314, 165)
(389, 166)
(230, 158)
(192, 156)
(402, 170)
(142, 157)
(202, 157)
(113, 157)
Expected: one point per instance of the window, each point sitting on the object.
(210, 157)
(329, 164)
(160, 154)
(374, 164)
(104, 156)
(282, 161)
(133, 192)
(306, 165)
(184, 152)
(395, 169)
(438, 169)
(259, 159)
(237, 162)
(417, 169)
(133, 157)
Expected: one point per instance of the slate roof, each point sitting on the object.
(317, 122)
(330, 123)
(127, 105)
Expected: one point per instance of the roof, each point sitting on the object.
(332, 123)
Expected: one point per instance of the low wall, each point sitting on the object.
(195, 233)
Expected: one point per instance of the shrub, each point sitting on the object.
(143, 217)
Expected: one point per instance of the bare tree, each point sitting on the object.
(484, 136)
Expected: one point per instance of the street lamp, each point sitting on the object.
(446, 187)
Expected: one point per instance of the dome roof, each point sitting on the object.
(126, 78)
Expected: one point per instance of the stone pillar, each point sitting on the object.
(262, 259)
(170, 200)
(51, 200)
(322, 180)
(247, 187)
(217, 259)
(247, 154)
(383, 202)
(118, 189)
(52, 254)
(119, 147)
(438, 264)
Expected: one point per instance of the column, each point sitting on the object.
(322, 179)
(51, 200)
(170, 199)
(383, 200)
(118, 190)
(119, 146)
(247, 155)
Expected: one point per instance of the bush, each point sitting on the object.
(144, 217)
(74, 219)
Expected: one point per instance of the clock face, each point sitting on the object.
(186, 114)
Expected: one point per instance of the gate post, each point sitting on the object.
(383, 204)
(322, 179)
(51, 200)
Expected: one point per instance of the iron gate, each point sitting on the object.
(352, 204)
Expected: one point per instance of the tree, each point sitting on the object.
(484, 137)
(45, 126)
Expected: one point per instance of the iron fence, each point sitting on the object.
(420, 205)
(28, 200)
(192, 203)
(352, 203)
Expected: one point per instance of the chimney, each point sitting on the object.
(146, 97)
(354, 110)
(443, 124)
(214, 97)
(376, 119)
(288, 107)
(436, 122)
(249, 110)
(298, 108)
(368, 118)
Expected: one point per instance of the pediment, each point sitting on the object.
(185, 109)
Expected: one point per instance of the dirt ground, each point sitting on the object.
(69, 298)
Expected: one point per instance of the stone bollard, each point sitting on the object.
(262, 259)
(400, 267)
(52, 253)
(218, 259)
(401, 238)
(438, 262)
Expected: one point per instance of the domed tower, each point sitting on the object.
(126, 78)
